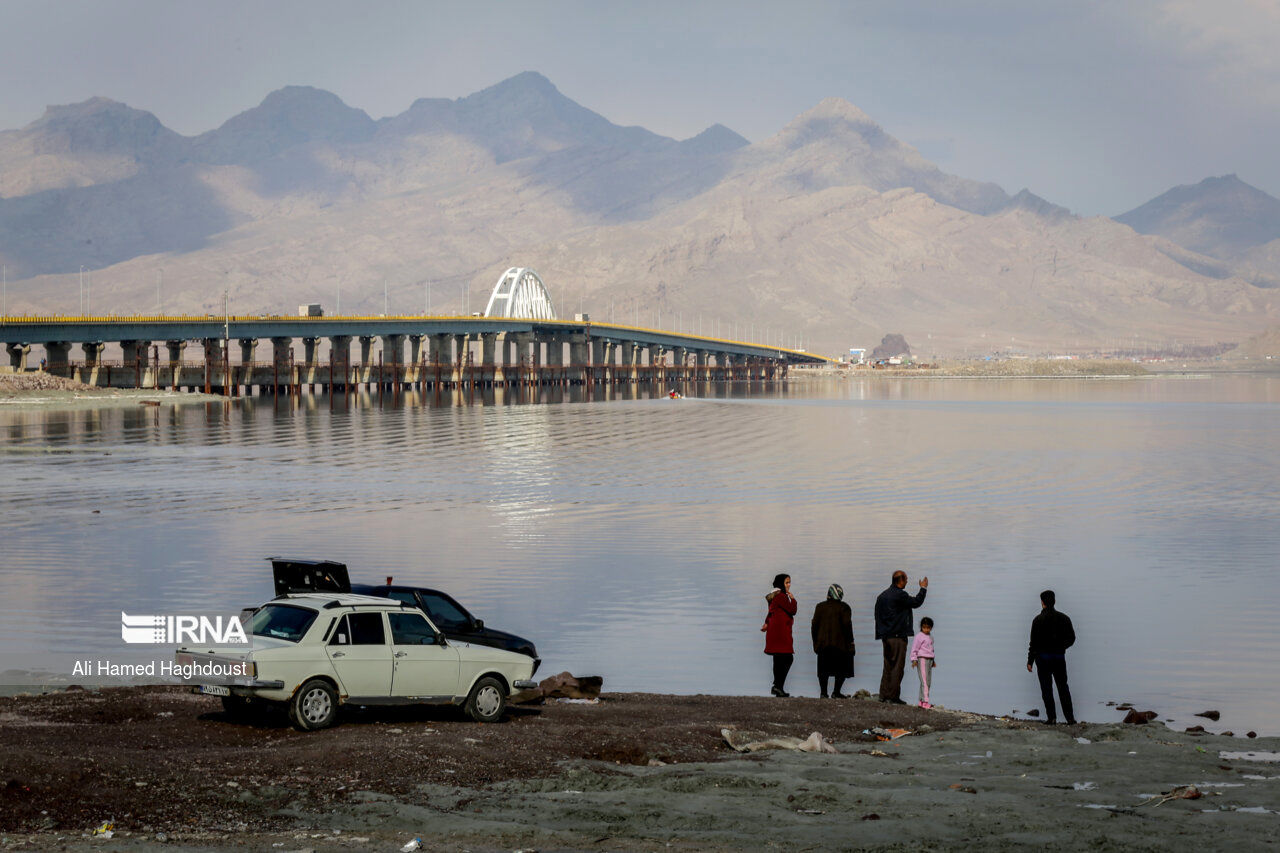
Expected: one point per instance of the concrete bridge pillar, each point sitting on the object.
(630, 354)
(597, 351)
(248, 346)
(488, 348)
(461, 349)
(134, 352)
(340, 350)
(175, 349)
(700, 364)
(57, 353)
(438, 349)
(415, 348)
(555, 351)
(392, 349)
(92, 352)
(309, 351)
(18, 356)
(281, 351)
(366, 350)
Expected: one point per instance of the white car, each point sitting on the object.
(316, 651)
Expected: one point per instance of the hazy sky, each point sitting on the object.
(1094, 105)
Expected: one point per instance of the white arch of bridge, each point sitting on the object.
(520, 293)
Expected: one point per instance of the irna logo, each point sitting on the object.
(200, 630)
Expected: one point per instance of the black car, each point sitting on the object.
(449, 616)
(452, 618)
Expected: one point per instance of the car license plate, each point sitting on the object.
(215, 690)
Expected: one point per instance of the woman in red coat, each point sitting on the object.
(777, 631)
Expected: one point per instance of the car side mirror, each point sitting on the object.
(477, 625)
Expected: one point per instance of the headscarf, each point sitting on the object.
(780, 582)
(835, 592)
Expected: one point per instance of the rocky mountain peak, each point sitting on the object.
(293, 115)
(100, 126)
(716, 139)
(1218, 217)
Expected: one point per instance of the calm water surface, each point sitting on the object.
(636, 539)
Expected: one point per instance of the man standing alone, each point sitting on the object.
(1051, 636)
(893, 627)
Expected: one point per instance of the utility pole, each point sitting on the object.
(384, 297)
(4, 299)
(82, 290)
(159, 284)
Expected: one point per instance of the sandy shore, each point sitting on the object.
(43, 391)
(635, 771)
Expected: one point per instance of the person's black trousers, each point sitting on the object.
(781, 666)
(1052, 669)
(895, 663)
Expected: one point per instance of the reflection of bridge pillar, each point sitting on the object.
(92, 352)
(57, 353)
(247, 348)
(18, 356)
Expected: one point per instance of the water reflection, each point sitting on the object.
(635, 536)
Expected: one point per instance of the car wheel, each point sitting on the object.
(314, 706)
(487, 701)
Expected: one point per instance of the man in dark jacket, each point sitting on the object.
(893, 626)
(1051, 636)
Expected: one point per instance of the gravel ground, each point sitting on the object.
(636, 771)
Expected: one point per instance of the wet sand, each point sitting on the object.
(636, 771)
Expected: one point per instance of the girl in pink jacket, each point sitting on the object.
(922, 659)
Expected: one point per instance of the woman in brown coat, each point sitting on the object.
(833, 640)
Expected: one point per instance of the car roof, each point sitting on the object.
(405, 586)
(330, 600)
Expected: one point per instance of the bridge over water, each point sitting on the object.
(500, 348)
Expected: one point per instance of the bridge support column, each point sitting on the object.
(366, 351)
(461, 358)
(488, 357)
(630, 352)
(134, 352)
(579, 358)
(309, 351)
(92, 353)
(392, 349)
(339, 361)
(18, 356)
(248, 346)
(175, 349)
(281, 365)
(57, 353)
(700, 364)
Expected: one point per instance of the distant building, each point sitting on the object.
(857, 355)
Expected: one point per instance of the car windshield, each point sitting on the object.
(283, 622)
(445, 613)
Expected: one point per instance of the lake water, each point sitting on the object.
(635, 539)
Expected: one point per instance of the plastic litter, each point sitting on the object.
(888, 734)
(1083, 740)
(106, 828)
(595, 701)
(415, 844)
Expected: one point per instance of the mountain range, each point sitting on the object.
(828, 234)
